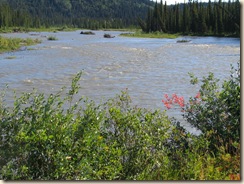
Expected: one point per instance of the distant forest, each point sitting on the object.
(192, 17)
(92, 14)
(215, 18)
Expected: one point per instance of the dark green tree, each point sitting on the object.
(220, 18)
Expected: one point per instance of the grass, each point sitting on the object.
(41, 29)
(31, 49)
(233, 35)
(13, 44)
(183, 41)
(122, 29)
(10, 57)
(140, 34)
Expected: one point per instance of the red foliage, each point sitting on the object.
(168, 102)
(235, 177)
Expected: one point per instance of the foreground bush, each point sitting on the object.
(215, 110)
(56, 137)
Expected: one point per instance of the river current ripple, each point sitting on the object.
(148, 68)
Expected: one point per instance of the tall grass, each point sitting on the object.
(12, 44)
(40, 29)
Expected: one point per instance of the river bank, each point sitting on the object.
(127, 32)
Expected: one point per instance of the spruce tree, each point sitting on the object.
(219, 18)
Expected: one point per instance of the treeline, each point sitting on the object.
(193, 17)
(79, 13)
(212, 18)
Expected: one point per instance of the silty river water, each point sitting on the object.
(148, 68)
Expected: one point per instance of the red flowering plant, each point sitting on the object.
(215, 110)
(178, 143)
(180, 101)
(180, 136)
(169, 102)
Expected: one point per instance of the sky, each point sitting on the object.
(169, 2)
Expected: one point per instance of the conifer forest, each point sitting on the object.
(192, 17)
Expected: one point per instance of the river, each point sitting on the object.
(148, 68)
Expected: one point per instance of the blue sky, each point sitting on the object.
(180, 1)
(172, 1)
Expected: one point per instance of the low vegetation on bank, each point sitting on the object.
(32, 29)
(13, 44)
(140, 34)
(55, 137)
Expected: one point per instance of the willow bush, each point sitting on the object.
(217, 110)
(50, 137)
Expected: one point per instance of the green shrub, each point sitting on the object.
(217, 114)
(215, 110)
(49, 137)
